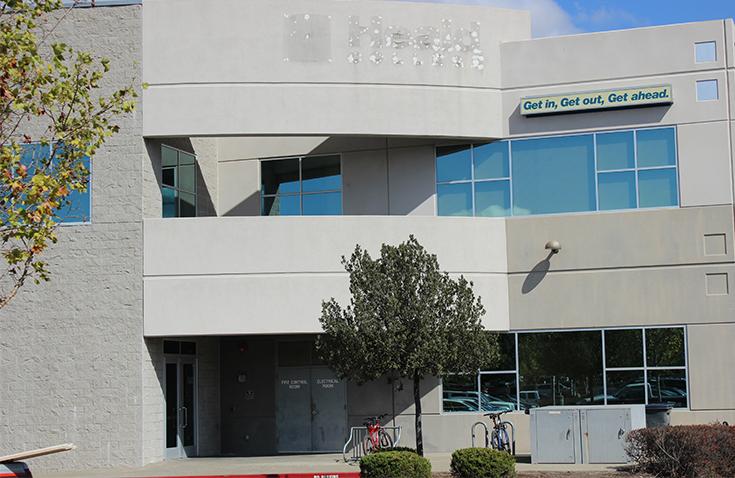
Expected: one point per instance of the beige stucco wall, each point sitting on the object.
(711, 362)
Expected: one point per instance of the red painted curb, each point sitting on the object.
(336, 474)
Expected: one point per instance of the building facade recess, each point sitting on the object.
(276, 135)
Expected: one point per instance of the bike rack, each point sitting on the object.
(357, 435)
(487, 435)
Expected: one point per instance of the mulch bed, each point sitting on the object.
(564, 474)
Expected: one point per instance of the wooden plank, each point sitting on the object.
(24, 455)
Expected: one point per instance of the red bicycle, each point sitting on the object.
(377, 438)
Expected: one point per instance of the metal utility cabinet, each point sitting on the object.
(583, 434)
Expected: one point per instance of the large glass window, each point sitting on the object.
(178, 183)
(78, 205)
(585, 367)
(560, 174)
(306, 186)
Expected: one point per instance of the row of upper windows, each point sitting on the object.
(559, 174)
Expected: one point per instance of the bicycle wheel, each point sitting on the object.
(386, 442)
(500, 440)
(367, 445)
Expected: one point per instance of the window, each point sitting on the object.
(705, 52)
(559, 174)
(175, 347)
(707, 90)
(309, 186)
(178, 183)
(78, 207)
(577, 367)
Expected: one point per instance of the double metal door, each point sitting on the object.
(181, 419)
(311, 411)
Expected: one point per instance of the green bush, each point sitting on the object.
(395, 464)
(482, 463)
(684, 451)
(395, 448)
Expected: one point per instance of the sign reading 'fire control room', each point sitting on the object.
(597, 100)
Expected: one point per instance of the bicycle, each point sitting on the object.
(499, 438)
(377, 438)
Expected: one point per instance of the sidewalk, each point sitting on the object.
(326, 466)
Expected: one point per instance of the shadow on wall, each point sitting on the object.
(519, 124)
(205, 205)
(537, 274)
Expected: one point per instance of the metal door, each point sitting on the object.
(293, 410)
(604, 434)
(328, 411)
(555, 436)
(180, 394)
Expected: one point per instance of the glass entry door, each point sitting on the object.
(180, 393)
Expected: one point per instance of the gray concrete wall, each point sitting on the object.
(287, 84)
(71, 349)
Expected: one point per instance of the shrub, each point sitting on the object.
(684, 451)
(396, 448)
(482, 463)
(395, 464)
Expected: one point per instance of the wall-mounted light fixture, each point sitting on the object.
(553, 246)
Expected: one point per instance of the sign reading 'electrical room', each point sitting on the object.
(597, 100)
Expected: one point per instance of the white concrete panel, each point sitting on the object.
(239, 188)
(685, 109)
(711, 361)
(365, 183)
(705, 164)
(298, 109)
(412, 187)
(255, 245)
(269, 303)
(615, 54)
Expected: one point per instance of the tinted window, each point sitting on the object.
(453, 163)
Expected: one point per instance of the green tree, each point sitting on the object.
(406, 318)
(50, 100)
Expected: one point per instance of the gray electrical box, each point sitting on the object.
(583, 434)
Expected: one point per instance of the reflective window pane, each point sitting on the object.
(454, 199)
(561, 368)
(492, 198)
(169, 156)
(187, 205)
(279, 176)
(667, 386)
(324, 204)
(187, 178)
(186, 158)
(553, 175)
(453, 163)
(168, 177)
(282, 205)
(656, 147)
(320, 173)
(625, 387)
(170, 202)
(79, 208)
(657, 188)
(459, 393)
(498, 392)
(707, 90)
(624, 348)
(491, 160)
(665, 347)
(616, 190)
(507, 359)
(706, 52)
(615, 151)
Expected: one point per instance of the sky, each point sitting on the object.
(562, 17)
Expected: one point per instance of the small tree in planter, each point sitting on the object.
(406, 318)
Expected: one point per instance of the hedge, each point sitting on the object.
(482, 463)
(394, 464)
(686, 451)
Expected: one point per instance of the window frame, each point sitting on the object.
(301, 192)
(707, 80)
(706, 42)
(604, 369)
(597, 171)
(89, 191)
(176, 188)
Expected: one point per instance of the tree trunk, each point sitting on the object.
(417, 404)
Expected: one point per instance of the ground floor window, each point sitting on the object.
(577, 367)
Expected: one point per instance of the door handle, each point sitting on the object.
(621, 432)
(186, 417)
(568, 433)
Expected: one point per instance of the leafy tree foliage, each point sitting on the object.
(49, 97)
(406, 318)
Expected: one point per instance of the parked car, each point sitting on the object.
(15, 469)
(489, 403)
